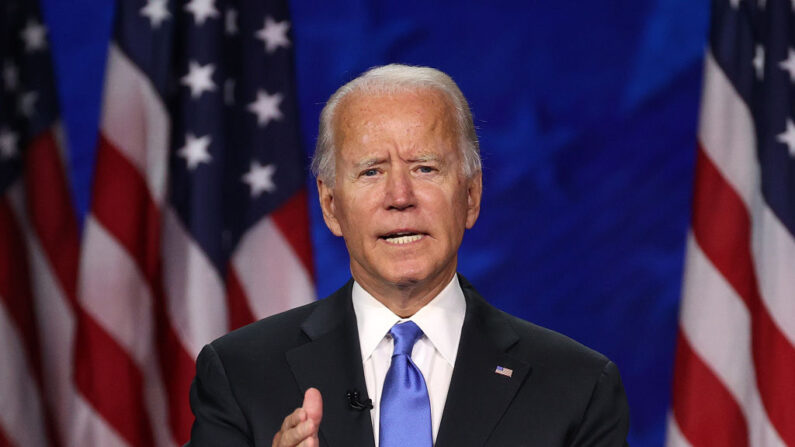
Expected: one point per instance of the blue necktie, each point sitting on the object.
(405, 407)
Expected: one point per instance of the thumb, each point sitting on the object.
(313, 405)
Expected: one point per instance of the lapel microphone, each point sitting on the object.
(356, 403)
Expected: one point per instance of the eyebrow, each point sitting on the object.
(368, 162)
(424, 158)
(374, 161)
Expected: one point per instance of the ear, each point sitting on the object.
(328, 206)
(474, 192)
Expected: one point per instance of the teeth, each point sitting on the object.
(404, 239)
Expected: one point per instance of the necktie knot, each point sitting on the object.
(405, 335)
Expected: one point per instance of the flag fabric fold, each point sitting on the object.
(38, 241)
(734, 372)
(198, 221)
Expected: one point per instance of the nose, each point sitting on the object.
(399, 191)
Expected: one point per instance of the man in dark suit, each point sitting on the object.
(407, 353)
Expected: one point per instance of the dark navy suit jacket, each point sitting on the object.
(559, 394)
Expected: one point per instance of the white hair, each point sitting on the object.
(395, 78)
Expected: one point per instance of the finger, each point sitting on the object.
(310, 442)
(313, 404)
(299, 433)
(293, 419)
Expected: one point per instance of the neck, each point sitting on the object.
(405, 299)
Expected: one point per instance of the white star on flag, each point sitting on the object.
(274, 34)
(195, 150)
(34, 34)
(156, 11)
(734, 3)
(201, 10)
(789, 64)
(260, 178)
(788, 137)
(266, 107)
(8, 144)
(27, 103)
(199, 79)
(759, 61)
(231, 21)
(10, 76)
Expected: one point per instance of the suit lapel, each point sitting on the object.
(331, 362)
(478, 396)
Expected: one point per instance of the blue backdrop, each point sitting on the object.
(587, 114)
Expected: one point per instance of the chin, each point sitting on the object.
(404, 279)
(408, 275)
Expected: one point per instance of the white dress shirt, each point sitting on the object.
(434, 353)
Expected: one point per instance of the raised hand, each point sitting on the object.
(300, 427)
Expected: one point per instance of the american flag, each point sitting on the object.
(734, 374)
(38, 240)
(198, 223)
(507, 372)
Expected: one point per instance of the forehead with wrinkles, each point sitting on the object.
(365, 119)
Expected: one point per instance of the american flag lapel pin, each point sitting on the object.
(503, 371)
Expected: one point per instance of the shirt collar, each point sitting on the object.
(441, 320)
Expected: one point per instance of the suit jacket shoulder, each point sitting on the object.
(268, 336)
(556, 391)
(248, 380)
(550, 350)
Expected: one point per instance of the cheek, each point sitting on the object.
(446, 210)
(457, 199)
(356, 211)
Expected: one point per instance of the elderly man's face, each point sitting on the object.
(400, 199)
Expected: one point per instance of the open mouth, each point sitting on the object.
(401, 238)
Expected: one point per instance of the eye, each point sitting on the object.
(426, 169)
(369, 172)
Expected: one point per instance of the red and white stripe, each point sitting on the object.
(149, 299)
(37, 312)
(734, 373)
(22, 409)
